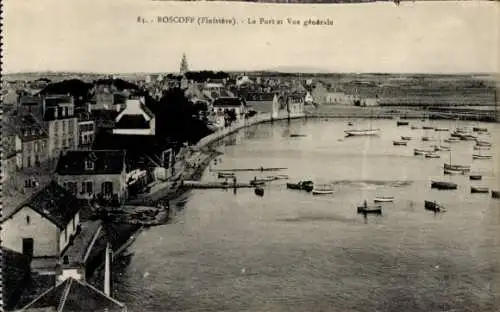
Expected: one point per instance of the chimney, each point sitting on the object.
(107, 271)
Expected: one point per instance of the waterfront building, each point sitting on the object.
(295, 104)
(135, 119)
(339, 98)
(43, 226)
(223, 104)
(93, 174)
(309, 99)
(61, 123)
(75, 296)
(31, 142)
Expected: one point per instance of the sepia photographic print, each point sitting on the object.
(210, 156)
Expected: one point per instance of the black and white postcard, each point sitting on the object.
(260, 156)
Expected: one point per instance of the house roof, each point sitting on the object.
(105, 162)
(30, 129)
(75, 296)
(228, 102)
(132, 122)
(53, 202)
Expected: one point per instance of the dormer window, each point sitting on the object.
(89, 165)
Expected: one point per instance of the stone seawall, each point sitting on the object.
(261, 118)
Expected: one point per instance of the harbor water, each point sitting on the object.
(292, 251)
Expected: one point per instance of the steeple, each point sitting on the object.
(184, 64)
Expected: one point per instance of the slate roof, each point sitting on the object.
(105, 162)
(75, 296)
(30, 129)
(132, 122)
(53, 202)
(227, 102)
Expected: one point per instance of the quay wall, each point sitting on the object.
(244, 123)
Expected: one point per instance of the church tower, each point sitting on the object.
(184, 64)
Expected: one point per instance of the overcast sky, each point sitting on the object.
(103, 36)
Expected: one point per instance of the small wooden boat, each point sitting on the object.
(259, 191)
(449, 171)
(302, 185)
(414, 127)
(322, 190)
(481, 148)
(405, 138)
(457, 167)
(419, 151)
(427, 127)
(402, 123)
(223, 175)
(451, 140)
(479, 129)
(475, 177)
(441, 129)
(468, 137)
(297, 135)
(441, 148)
(366, 132)
(478, 156)
(479, 189)
(370, 209)
(349, 123)
(483, 143)
(383, 199)
(495, 194)
(426, 138)
(432, 155)
(444, 185)
(399, 143)
(433, 206)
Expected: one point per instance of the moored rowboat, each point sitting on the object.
(399, 143)
(443, 185)
(433, 206)
(383, 199)
(479, 189)
(475, 177)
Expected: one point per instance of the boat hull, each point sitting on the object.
(482, 190)
(441, 185)
(322, 192)
(433, 206)
(373, 132)
(383, 200)
(370, 209)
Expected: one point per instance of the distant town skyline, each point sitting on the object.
(104, 37)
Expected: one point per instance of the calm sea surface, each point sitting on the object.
(292, 251)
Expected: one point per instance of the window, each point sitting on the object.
(28, 161)
(28, 220)
(37, 147)
(87, 187)
(89, 165)
(107, 188)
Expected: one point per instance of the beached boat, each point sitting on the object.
(479, 189)
(433, 206)
(369, 209)
(432, 155)
(322, 190)
(399, 143)
(495, 194)
(406, 138)
(475, 177)
(383, 199)
(402, 123)
(444, 185)
(362, 132)
(301, 185)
